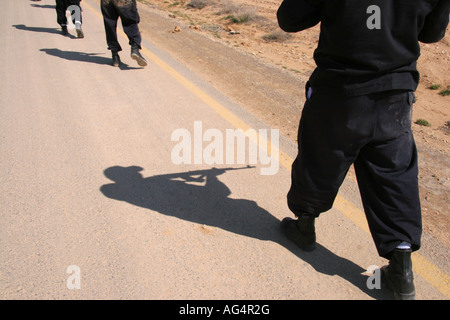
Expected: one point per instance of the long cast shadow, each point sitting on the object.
(200, 197)
(42, 30)
(72, 55)
(43, 6)
(84, 57)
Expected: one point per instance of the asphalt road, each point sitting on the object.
(95, 204)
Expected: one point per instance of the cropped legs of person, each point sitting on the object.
(112, 10)
(61, 8)
(372, 132)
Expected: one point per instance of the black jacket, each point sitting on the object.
(367, 46)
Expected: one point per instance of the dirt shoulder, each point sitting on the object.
(238, 47)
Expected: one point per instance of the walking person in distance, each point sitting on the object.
(127, 11)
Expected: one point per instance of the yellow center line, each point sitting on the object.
(423, 267)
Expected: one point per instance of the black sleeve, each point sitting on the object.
(298, 15)
(436, 23)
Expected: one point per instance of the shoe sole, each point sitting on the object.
(139, 60)
(402, 296)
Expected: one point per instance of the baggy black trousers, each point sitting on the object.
(61, 7)
(126, 10)
(372, 132)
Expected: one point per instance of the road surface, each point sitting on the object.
(95, 203)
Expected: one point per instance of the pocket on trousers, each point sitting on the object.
(406, 119)
(411, 98)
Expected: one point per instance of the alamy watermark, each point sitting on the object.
(374, 20)
(75, 16)
(234, 146)
(374, 279)
(74, 280)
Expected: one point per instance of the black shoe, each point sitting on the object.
(64, 31)
(136, 55)
(302, 232)
(115, 59)
(399, 275)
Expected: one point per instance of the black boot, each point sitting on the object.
(399, 275)
(136, 55)
(115, 59)
(302, 232)
(64, 31)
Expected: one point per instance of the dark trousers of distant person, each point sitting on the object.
(126, 10)
(373, 132)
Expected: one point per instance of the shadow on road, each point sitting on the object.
(200, 197)
(72, 55)
(43, 6)
(43, 30)
(85, 57)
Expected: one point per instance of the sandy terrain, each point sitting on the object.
(258, 34)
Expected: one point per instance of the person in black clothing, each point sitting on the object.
(358, 112)
(127, 11)
(61, 8)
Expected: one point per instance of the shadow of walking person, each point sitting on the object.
(200, 197)
(43, 6)
(41, 29)
(84, 57)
